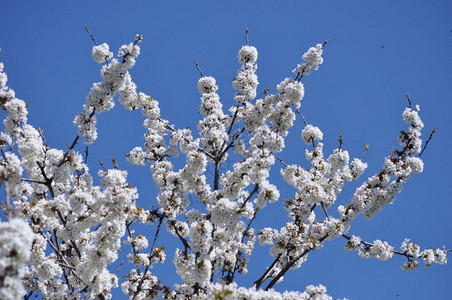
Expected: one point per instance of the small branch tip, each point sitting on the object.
(198, 68)
(246, 36)
(91, 35)
(409, 100)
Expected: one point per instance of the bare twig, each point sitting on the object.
(281, 161)
(198, 68)
(324, 210)
(91, 35)
(102, 165)
(246, 36)
(409, 100)
(340, 141)
(86, 154)
(366, 148)
(428, 140)
(299, 113)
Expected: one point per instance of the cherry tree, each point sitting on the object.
(63, 232)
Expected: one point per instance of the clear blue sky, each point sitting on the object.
(378, 51)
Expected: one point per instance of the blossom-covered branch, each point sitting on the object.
(71, 230)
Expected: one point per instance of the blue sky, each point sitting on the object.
(378, 51)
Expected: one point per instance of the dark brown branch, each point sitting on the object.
(86, 154)
(198, 68)
(157, 231)
(324, 210)
(428, 140)
(409, 100)
(299, 113)
(181, 238)
(229, 146)
(216, 175)
(281, 161)
(91, 35)
(246, 36)
(261, 279)
(233, 119)
(340, 141)
(256, 188)
(288, 265)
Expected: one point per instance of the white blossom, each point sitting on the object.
(207, 85)
(15, 242)
(247, 54)
(75, 225)
(311, 133)
(101, 53)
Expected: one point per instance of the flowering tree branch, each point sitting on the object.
(71, 230)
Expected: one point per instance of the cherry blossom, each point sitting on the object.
(64, 232)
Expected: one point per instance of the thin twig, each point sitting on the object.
(304, 119)
(366, 148)
(246, 36)
(199, 69)
(256, 188)
(281, 161)
(91, 35)
(324, 210)
(428, 140)
(340, 141)
(409, 100)
(119, 267)
(86, 154)
(157, 231)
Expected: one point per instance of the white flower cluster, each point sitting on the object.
(213, 127)
(311, 134)
(383, 251)
(115, 79)
(379, 249)
(16, 238)
(207, 85)
(247, 54)
(101, 53)
(429, 256)
(232, 291)
(246, 80)
(380, 189)
(140, 289)
(316, 187)
(6, 93)
(313, 59)
(354, 243)
(78, 226)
